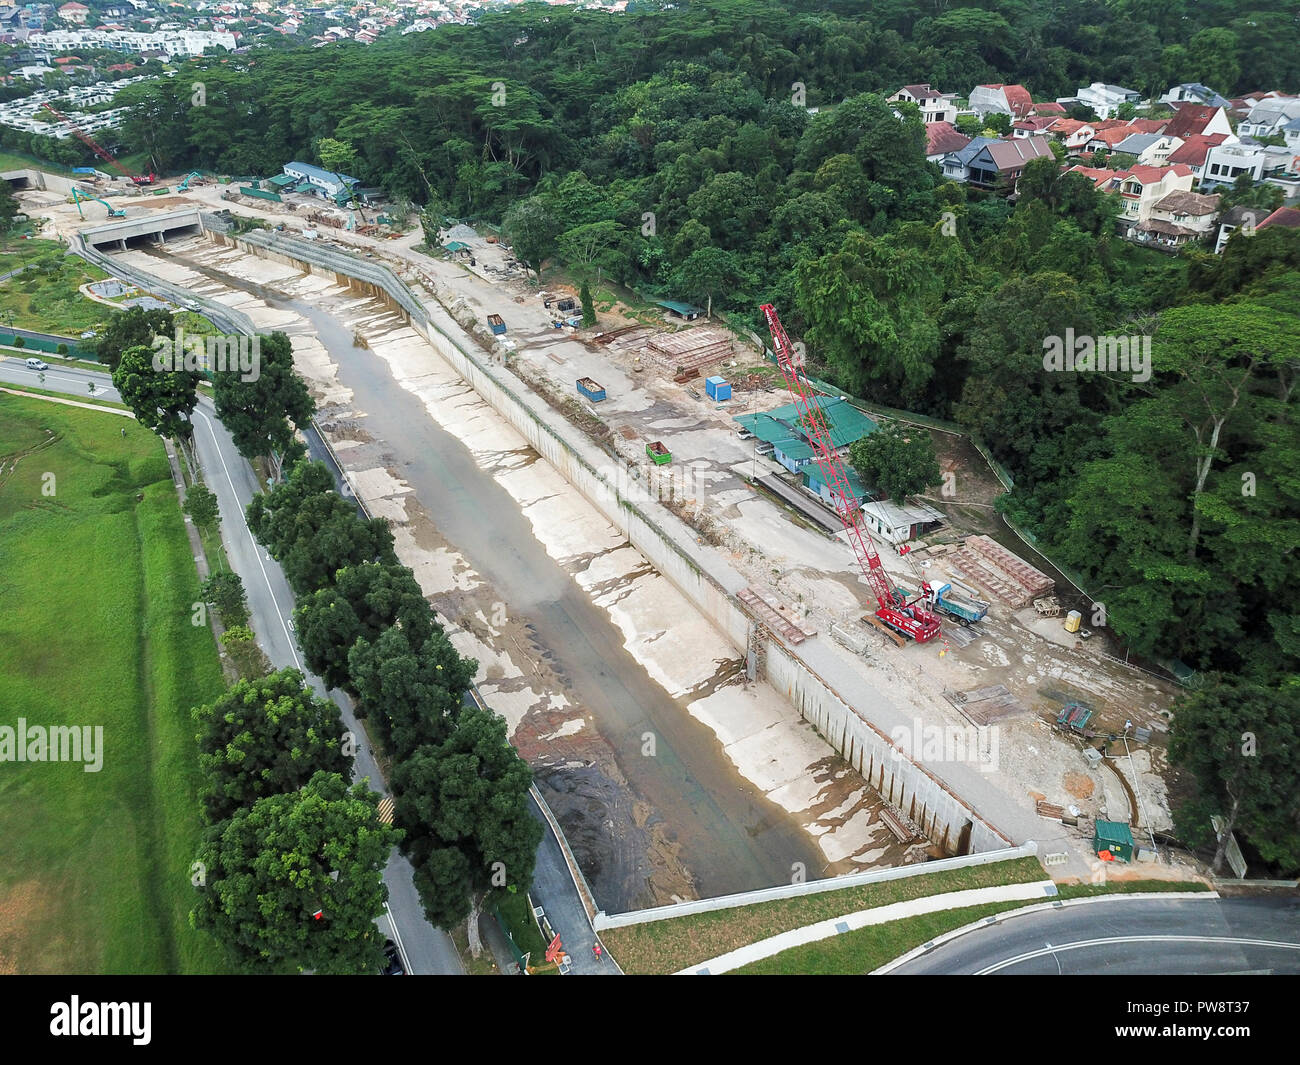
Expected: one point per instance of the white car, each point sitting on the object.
(36, 364)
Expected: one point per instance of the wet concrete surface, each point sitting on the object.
(679, 784)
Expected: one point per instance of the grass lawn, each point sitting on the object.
(44, 297)
(95, 599)
(869, 948)
(668, 946)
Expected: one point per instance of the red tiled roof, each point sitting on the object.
(944, 137)
(1194, 149)
(1048, 108)
(1112, 136)
(1065, 127)
(1037, 123)
(1150, 175)
(1283, 216)
(1149, 125)
(1190, 119)
(1099, 176)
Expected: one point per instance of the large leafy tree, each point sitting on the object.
(465, 806)
(897, 461)
(132, 328)
(271, 867)
(532, 231)
(264, 737)
(261, 412)
(413, 694)
(314, 532)
(1241, 744)
(363, 600)
(162, 399)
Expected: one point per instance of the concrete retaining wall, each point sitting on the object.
(813, 887)
(666, 543)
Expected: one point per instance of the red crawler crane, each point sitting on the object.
(910, 619)
(103, 153)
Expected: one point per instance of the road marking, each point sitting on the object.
(397, 938)
(243, 521)
(1030, 955)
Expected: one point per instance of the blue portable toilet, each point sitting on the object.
(717, 388)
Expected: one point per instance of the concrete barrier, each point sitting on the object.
(812, 887)
(668, 544)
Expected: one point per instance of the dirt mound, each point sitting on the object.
(1080, 785)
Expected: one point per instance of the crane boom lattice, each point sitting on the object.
(910, 619)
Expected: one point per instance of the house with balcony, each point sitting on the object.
(1193, 151)
(1224, 163)
(999, 164)
(935, 106)
(1139, 188)
(1179, 217)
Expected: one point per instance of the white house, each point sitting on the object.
(1150, 149)
(934, 105)
(1268, 117)
(1224, 162)
(999, 99)
(1191, 92)
(1139, 188)
(1106, 99)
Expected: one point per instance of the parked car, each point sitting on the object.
(36, 364)
(392, 960)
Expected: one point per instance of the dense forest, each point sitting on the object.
(675, 150)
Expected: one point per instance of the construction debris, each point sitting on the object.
(1007, 576)
(691, 349)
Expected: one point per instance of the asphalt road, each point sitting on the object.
(425, 949)
(1174, 937)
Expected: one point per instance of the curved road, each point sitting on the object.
(1119, 935)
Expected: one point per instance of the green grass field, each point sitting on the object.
(45, 296)
(96, 587)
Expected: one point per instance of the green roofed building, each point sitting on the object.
(281, 181)
(789, 439)
(688, 311)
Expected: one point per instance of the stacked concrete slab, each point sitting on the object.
(1007, 576)
(691, 349)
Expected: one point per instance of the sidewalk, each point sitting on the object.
(834, 926)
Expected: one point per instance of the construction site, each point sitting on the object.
(786, 589)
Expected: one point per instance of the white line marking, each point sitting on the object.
(397, 938)
(1028, 956)
(243, 522)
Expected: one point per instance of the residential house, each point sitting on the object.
(1192, 119)
(956, 164)
(1073, 133)
(1032, 126)
(934, 105)
(1106, 99)
(1194, 93)
(1139, 188)
(1149, 149)
(1225, 162)
(942, 138)
(999, 99)
(1245, 219)
(1291, 134)
(1179, 217)
(1267, 117)
(1192, 152)
(1000, 163)
(74, 13)
(1288, 217)
(1049, 108)
(1109, 136)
